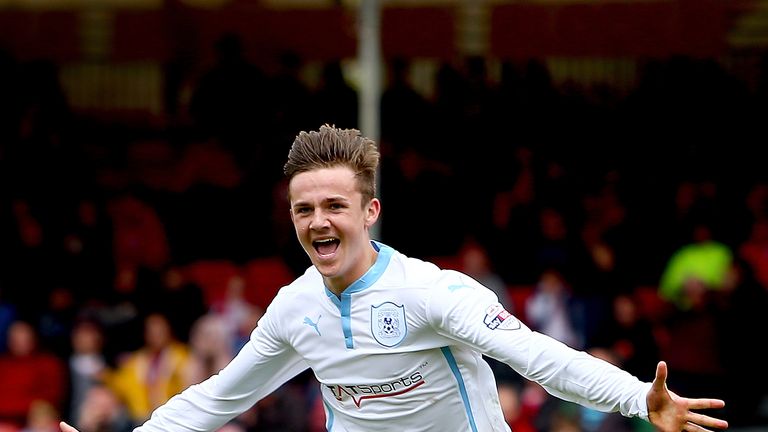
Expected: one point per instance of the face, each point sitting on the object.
(86, 338)
(22, 339)
(157, 332)
(332, 224)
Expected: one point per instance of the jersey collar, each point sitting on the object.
(372, 275)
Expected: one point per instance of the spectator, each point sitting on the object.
(148, 377)
(174, 288)
(238, 313)
(211, 348)
(628, 336)
(476, 262)
(697, 284)
(43, 417)
(28, 374)
(696, 269)
(87, 363)
(101, 411)
(139, 238)
(549, 309)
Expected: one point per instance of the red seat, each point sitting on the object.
(519, 295)
(212, 277)
(264, 277)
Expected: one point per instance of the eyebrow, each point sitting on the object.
(328, 200)
(336, 199)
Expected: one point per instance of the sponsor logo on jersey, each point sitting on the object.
(359, 393)
(314, 324)
(457, 287)
(388, 323)
(496, 317)
(461, 285)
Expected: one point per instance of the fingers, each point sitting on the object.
(668, 411)
(66, 428)
(691, 427)
(696, 422)
(705, 420)
(705, 403)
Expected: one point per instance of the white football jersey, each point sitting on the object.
(401, 349)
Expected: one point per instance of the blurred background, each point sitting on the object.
(599, 164)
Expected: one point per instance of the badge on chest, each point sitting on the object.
(388, 324)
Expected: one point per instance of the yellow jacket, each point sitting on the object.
(144, 381)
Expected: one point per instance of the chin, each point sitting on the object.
(325, 269)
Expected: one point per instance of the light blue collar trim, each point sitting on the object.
(377, 269)
(369, 278)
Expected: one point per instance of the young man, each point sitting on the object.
(396, 342)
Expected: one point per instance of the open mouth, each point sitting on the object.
(326, 247)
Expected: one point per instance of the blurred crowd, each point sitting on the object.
(136, 260)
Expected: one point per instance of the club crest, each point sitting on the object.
(388, 324)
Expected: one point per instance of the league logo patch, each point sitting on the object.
(496, 317)
(388, 324)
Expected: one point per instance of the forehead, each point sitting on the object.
(323, 182)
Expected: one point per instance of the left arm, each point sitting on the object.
(472, 317)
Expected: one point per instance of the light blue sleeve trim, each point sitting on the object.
(462, 389)
(328, 416)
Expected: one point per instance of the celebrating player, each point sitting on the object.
(395, 342)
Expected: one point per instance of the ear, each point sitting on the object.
(372, 212)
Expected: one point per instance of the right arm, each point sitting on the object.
(265, 363)
(262, 365)
(249, 377)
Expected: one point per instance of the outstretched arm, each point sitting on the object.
(672, 413)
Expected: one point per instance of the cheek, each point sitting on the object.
(300, 227)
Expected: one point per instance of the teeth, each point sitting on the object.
(324, 241)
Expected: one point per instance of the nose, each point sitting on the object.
(318, 221)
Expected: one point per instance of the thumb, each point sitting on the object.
(660, 382)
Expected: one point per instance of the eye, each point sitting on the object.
(301, 210)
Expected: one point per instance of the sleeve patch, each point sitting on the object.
(496, 317)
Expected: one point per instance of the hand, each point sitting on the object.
(66, 428)
(672, 413)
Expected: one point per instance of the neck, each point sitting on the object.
(338, 285)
